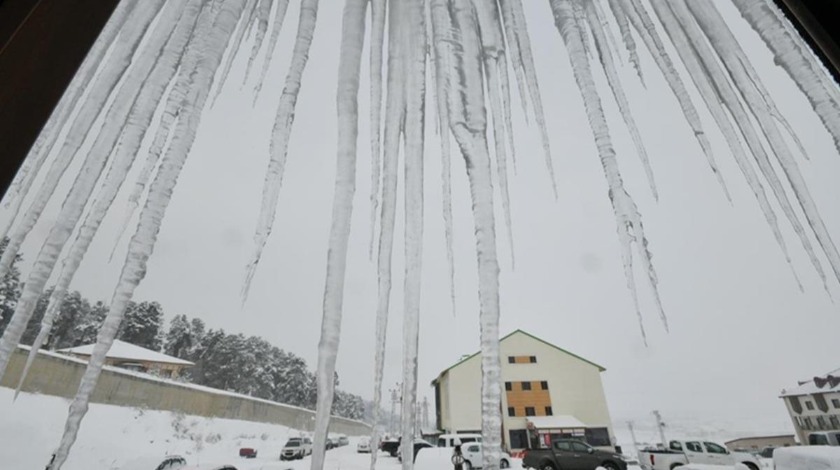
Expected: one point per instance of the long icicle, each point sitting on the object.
(262, 13)
(138, 122)
(14, 196)
(377, 36)
(280, 137)
(350, 63)
(515, 52)
(704, 81)
(643, 24)
(443, 45)
(85, 182)
(194, 83)
(618, 92)
(468, 122)
(731, 54)
(107, 78)
(279, 15)
(630, 229)
(394, 119)
(235, 45)
(627, 36)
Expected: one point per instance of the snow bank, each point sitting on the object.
(696, 466)
(812, 458)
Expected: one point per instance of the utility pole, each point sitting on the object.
(426, 412)
(633, 436)
(661, 426)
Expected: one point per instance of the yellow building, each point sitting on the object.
(548, 393)
(132, 357)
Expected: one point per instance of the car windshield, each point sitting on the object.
(293, 444)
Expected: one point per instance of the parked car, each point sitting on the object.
(296, 448)
(572, 454)
(391, 446)
(332, 443)
(363, 447)
(343, 440)
(418, 444)
(473, 456)
(807, 457)
(824, 439)
(170, 462)
(211, 467)
(248, 452)
(700, 452)
(448, 440)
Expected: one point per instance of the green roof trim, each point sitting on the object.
(600, 367)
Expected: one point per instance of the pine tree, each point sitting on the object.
(179, 339)
(142, 325)
(84, 332)
(73, 309)
(9, 289)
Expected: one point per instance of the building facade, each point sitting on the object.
(757, 443)
(132, 357)
(814, 405)
(547, 393)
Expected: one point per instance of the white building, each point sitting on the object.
(548, 393)
(814, 405)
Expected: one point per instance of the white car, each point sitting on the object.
(473, 456)
(296, 448)
(449, 440)
(363, 447)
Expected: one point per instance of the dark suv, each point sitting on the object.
(570, 453)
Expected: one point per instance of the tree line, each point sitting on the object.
(249, 365)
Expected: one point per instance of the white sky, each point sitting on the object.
(740, 328)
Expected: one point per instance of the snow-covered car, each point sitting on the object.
(296, 448)
(473, 456)
(363, 447)
(211, 467)
(343, 440)
(680, 453)
(449, 440)
(807, 457)
(170, 462)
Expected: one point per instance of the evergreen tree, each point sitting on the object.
(73, 309)
(142, 325)
(179, 339)
(84, 332)
(34, 325)
(9, 289)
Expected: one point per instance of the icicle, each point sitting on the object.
(643, 24)
(629, 222)
(279, 15)
(14, 196)
(378, 9)
(111, 73)
(280, 137)
(704, 81)
(262, 12)
(731, 54)
(794, 57)
(524, 41)
(443, 41)
(514, 50)
(627, 36)
(194, 83)
(394, 119)
(350, 62)
(235, 45)
(469, 126)
(492, 43)
(604, 25)
(414, 51)
(618, 93)
(137, 123)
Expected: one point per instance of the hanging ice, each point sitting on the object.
(261, 15)
(378, 9)
(280, 137)
(279, 15)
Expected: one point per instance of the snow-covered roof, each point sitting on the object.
(556, 422)
(826, 383)
(132, 352)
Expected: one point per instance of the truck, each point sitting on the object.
(680, 453)
(565, 454)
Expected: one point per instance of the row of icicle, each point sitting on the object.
(169, 57)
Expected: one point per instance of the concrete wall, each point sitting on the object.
(58, 375)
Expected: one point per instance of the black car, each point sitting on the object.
(418, 444)
(570, 453)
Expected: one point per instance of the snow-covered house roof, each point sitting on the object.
(826, 383)
(128, 351)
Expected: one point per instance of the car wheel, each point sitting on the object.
(750, 465)
(548, 466)
(504, 464)
(610, 466)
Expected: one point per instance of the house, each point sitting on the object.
(757, 443)
(548, 393)
(814, 405)
(133, 357)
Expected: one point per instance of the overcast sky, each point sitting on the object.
(740, 328)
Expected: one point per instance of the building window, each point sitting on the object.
(511, 359)
(835, 402)
(548, 411)
(821, 422)
(518, 439)
(532, 359)
(511, 411)
(544, 385)
(835, 422)
(529, 411)
(807, 424)
(526, 385)
(809, 405)
(508, 386)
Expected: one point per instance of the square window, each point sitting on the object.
(548, 411)
(526, 385)
(529, 411)
(835, 402)
(511, 360)
(809, 405)
(544, 385)
(511, 411)
(532, 359)
(508, 386)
